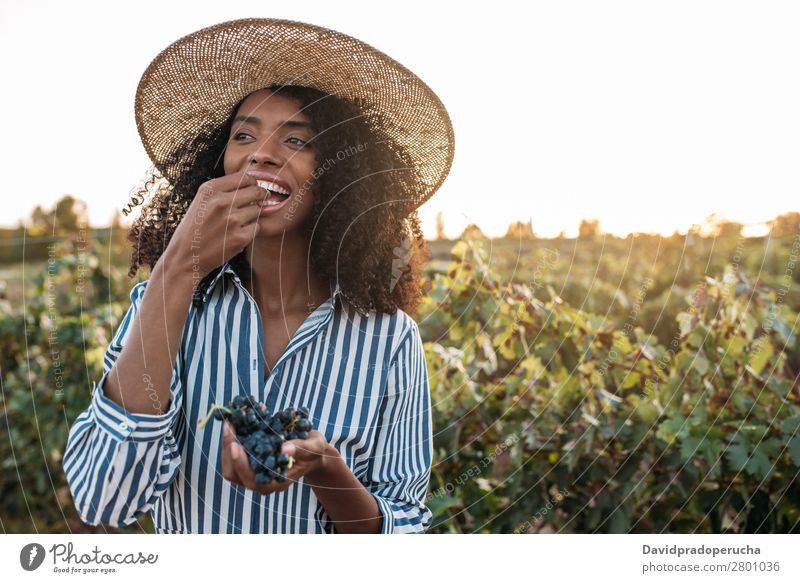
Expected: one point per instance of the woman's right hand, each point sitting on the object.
(220, 222)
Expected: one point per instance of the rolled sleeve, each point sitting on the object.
(399, 470)
(118, 464)
(122, 424)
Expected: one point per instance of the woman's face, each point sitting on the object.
(270, 139)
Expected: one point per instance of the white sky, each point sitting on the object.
(648, 116)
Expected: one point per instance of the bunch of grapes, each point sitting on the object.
(262, 434)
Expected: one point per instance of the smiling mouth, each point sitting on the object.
(277, 194)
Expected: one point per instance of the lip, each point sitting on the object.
(270, 209)
(269, 178)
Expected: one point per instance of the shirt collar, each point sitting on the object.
(227, 268)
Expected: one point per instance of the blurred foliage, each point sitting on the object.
(597, 384)
(542, 406)
(50, 354)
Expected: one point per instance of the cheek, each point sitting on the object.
(226, 161)
(305, 204)
(307, 184)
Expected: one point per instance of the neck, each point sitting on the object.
(280, 278)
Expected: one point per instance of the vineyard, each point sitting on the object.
(583, 385)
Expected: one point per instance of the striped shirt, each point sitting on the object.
(363, 378)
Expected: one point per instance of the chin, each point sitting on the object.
(272, 226)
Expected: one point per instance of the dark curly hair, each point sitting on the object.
(364, 229)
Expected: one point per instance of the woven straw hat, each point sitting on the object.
(197, 80)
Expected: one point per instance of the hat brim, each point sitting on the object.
(195, 82)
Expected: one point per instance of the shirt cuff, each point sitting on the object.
(122, 424)
(387, 526)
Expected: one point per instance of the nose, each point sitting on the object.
(266, 154)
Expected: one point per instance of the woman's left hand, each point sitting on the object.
(309, 461)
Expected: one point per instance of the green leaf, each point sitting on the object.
(733, 347)
(685, 322)
(791, 425)
(793, 445)
(756, 457)
(700, 363)
(631, 380)
(698, 336)
(738, 452)
(762, 352)
(779, 386)
(690, 447)
(672, 428)
(620, 522)
(438, 504)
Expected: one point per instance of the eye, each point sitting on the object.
(237, 134)
(303, 142)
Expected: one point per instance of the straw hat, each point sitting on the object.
(198, 79)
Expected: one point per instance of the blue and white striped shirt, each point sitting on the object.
(363, 378)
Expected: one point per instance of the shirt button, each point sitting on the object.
(123, 426)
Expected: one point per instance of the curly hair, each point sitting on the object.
(364, 230)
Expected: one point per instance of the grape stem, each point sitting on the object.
(202, 423)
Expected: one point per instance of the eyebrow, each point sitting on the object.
(291, 123)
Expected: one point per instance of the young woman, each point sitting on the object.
(285, 254)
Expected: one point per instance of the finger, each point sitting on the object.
(246, 214)
(228, 435)
(294, 473)
(244, 199)
(227, 462)
(230, 182)
(250, 196)
(241, 466)
(290, 448)
(304, 449)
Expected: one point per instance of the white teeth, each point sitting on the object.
(271, 202)
(273, 187)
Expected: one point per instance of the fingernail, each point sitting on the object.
(235, 452)
(288, 448)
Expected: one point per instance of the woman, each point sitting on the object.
(285, 255)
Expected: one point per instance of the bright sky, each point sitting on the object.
(648, 116)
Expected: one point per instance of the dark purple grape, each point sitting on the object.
(261, 434)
